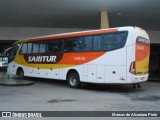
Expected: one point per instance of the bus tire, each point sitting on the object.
(21, 74)
(73, 80)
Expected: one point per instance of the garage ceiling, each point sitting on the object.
(79, 13)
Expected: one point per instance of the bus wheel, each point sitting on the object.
(21, 74)
(73, 80)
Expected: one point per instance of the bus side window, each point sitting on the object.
(42, 47)
(113, 41)
(108, 42)
(68, 45)
(119, 39)
(87, 45)
(78, 44)
(35, 47)
(29, 50)
(97, 43)
(51, 46)
(24, 48)
(55, 46)
(60, 46)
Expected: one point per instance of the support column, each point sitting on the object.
(104, 20)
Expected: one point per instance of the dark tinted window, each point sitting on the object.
(29, 50)
(68, 45)
(35, 47)
(60, 46)
(113, 41)
(120, 38)
(78, 44)
(87, 43)
(108, 38)
(24, 48)
(97, 43)
(54, 46)
(15, 48)
(10, 55)
(108, 42)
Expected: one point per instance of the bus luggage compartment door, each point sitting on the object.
(115, 74)
(92, 73)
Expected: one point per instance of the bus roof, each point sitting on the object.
(74, 34)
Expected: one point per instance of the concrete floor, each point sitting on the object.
(52, 95)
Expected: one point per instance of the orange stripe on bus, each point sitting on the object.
(80, 58)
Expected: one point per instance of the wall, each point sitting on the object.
(19, 33)
(154, 36)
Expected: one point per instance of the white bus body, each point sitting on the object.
(119, 66)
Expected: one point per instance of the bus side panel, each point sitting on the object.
(60, 72)
(130, 59)
(64, 71)
(115, 66)
(100, 74)
(11, 68)
(47, 73)
(29, 71)
(115, 74)
(92, 73)
(85, 73)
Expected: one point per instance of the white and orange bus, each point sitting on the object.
(106, 56)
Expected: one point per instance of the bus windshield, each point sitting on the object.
(11, 52)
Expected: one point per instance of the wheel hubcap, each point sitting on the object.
(21, 75)
(73, 81)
